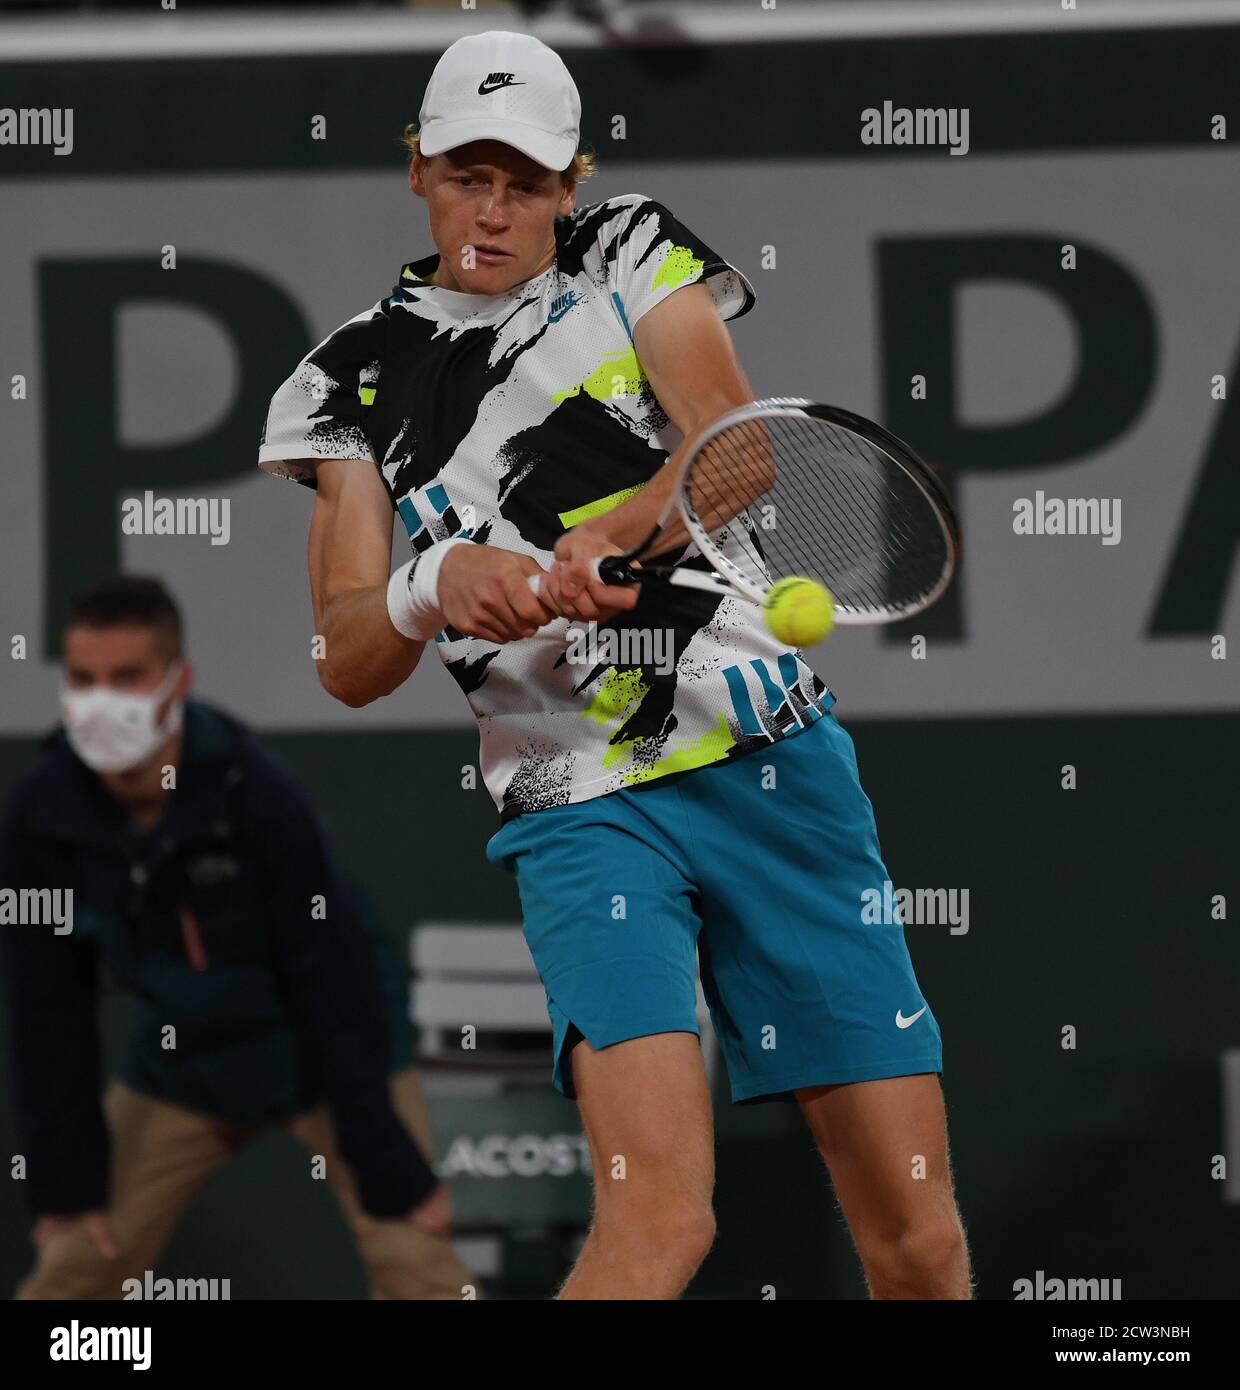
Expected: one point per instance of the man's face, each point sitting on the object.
(492, 198)
(129, 659)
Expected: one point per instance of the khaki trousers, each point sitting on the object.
(162, 1154)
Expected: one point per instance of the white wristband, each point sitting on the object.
(413, 593)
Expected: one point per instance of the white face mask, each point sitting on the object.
(113, 732)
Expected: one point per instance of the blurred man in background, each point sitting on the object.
(267, 992)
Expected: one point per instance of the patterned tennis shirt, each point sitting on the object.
(508, 419)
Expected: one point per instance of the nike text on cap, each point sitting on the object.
(502, 86)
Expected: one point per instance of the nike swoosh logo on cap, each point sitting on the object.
(486, 85)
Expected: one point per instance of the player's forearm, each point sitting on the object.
(725, 485)
(363, 656)
(631, 522)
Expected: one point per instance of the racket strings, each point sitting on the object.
(824, 502)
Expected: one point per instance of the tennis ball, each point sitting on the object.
(799, 611)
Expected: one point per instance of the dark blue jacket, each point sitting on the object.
(230, 922)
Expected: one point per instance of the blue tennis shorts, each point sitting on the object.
(753, 870)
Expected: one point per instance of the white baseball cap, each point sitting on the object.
(502, 86)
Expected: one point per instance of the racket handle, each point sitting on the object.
(535, 582)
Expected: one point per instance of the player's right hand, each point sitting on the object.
(484, 592)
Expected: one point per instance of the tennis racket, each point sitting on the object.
(786, 487)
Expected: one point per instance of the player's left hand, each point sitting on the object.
(570, 587)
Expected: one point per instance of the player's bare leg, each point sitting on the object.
(645, 1107)
(885, 1146)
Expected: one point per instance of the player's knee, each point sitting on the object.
(693, 1232)
(927, 1254)
(680, 1232)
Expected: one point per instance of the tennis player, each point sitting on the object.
(522, 399)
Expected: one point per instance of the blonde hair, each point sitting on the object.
(583, 166)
